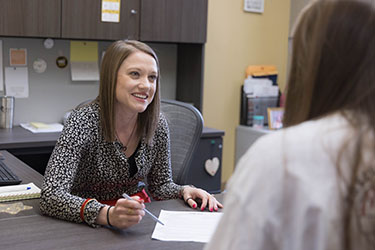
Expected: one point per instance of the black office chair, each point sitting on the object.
(185, 124)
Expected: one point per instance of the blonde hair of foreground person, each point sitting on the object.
(331, 89)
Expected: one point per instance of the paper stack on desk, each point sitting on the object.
(19, 192)
(40, 127)
(260, 87)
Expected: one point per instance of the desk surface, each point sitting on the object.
(18, 137)
(30, 230)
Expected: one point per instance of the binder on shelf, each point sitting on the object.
(251, 106)
(259, 92)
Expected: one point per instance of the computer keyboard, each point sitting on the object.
(7, 177)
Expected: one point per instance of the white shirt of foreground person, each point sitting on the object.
(285, 192)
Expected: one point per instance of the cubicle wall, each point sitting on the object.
(53, 93)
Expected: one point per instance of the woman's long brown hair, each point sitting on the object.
(333, 70)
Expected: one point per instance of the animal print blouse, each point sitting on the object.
(83, 165)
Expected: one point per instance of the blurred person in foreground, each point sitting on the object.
(311, 186)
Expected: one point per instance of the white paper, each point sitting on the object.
(111, 11)
(84, 71)
(186, 226)
(260, 87)
(19, 192)
(50, 128)
(21, 189)
(17, 82)
(254, 6)
(1, 67)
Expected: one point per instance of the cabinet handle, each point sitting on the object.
(133, 12)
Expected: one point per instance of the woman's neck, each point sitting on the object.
(126, 131)
(124, 120)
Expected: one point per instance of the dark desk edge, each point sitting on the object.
(18, 137)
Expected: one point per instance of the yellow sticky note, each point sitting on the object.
(81, 51)
(39, 125)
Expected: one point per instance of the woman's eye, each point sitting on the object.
(134, 74)
(152, 78)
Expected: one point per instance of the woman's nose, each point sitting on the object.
(144, 83)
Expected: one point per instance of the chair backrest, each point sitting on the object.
(185, 124)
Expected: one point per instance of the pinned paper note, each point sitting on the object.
(256, 6)
(18, 57)
(17, 82)
(111, 11)
(84, 61)
(82, 51)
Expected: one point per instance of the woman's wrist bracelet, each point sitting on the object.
(83, 207)
(109, 224)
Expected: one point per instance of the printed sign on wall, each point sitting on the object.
(254, 6)
(111, 11)
(18, 57)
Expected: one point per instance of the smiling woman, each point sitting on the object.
(113, 145)
(135, 90)
(136, 83)
(125, 60)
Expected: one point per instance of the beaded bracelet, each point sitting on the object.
(109, 224)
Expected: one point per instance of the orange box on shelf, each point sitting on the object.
(262, 71)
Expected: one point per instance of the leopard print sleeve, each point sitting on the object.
(56, 198)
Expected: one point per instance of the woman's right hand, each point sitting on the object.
(126, 213)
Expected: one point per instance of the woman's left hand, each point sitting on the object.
(191, 195)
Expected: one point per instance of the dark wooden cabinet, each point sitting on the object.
(190, 68)
(183, 22)
(81, 19)
(174, 21)
(32, 18)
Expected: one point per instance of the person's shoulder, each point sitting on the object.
(315, 133)
(300, 140)
(85, 115)
(300, 151)
(162, 118)
(90, 110)
(311, 128)
(162, 123)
